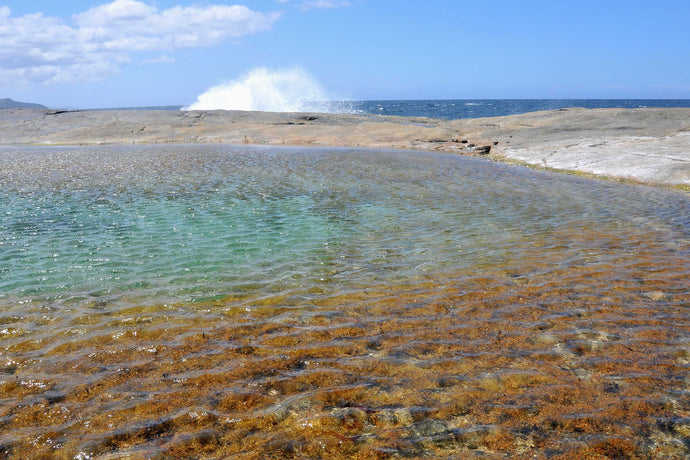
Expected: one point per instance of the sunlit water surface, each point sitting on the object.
(291, 302)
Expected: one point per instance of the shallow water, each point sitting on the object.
(220, 300)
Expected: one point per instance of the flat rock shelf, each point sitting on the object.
(649, 145)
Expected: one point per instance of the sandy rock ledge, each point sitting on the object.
(646, 145)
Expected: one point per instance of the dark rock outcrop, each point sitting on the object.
(483, 149)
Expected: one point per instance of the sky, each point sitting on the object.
(131, 53)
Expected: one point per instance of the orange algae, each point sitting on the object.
(583, 361)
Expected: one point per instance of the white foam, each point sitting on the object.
(287, 90)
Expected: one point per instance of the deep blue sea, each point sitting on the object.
(451, 109)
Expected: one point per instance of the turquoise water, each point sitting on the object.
(180, 223)
(261, 302)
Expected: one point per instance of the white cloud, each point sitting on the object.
(36, 48)
(309, 4)
(164, 59)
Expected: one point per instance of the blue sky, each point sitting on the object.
(100, 53)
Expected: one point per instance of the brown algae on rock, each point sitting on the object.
(551, 324)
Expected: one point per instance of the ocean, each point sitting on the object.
(451, 109)
(227, 301)
(468, 108)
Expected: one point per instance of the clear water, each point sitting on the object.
(156, 224)
(159, 300)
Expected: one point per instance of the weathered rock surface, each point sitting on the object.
(648, 145)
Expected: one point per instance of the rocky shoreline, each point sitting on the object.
(648, 145)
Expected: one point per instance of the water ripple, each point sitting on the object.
(252, 301)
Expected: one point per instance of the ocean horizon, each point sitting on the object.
(452, 109)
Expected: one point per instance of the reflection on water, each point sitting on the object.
(217, 300)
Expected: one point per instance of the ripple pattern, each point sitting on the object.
(220, 301)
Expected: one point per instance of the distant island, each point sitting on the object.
(8, 103)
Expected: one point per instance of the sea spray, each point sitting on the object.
(288, 90)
